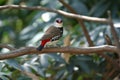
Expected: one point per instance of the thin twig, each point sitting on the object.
(114, 34)
(113, 31)
(70, 15)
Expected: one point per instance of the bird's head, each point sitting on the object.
(58, 22)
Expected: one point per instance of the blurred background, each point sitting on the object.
(19, 28)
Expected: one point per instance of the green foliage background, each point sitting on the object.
(24, 28)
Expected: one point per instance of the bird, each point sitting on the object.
(52, 34)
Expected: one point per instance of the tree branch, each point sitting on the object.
(32, 50)
(70, 15)
(114, 33)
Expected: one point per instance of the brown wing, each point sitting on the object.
(50, 33)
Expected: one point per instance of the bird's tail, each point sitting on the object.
(43, 42)
(39, 48)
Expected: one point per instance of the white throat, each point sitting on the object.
(58, 25)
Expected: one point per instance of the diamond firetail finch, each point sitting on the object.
(53, 33)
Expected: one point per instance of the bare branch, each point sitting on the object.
(114, 34)
(70, 15)
(32, 50)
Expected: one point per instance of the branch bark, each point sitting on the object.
(70, 15)
(72, 50)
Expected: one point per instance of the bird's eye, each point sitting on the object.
(57, 21)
